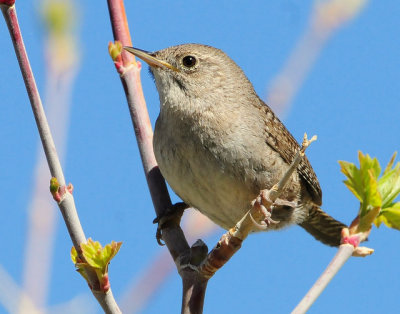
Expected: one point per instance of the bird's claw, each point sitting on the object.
(265, 206)
(266, 213)
(172, 214)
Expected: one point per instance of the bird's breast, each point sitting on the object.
(196, 174)
(213, 169)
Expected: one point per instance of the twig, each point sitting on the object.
(349, 247)
(60, 76)
(342, 255)
(231, 241)
(129, 71)
(66, 203)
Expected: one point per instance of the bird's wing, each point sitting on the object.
(280, 139)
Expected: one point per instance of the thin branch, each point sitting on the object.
(342, 255)
(129, 71)
(144, 288)
(231, 241)
(66, 203)
(60, 76)
(194, 284)
(349, 247)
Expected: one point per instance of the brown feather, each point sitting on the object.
(323, 227)
(280, 139)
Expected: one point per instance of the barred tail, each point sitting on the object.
(323, 227)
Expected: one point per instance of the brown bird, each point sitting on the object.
(218, 144)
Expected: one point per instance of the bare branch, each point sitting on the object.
(66, 203)
(129, 69)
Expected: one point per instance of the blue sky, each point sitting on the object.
(350, 99)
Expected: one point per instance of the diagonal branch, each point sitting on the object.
(349, 247)
(194, 285)
(66, 203)
(231, 241)
(129, 70)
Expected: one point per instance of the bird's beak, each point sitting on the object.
(149, 58)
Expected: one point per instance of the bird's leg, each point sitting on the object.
(172, 214)
(265, 205)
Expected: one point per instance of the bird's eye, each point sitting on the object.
(189, 61)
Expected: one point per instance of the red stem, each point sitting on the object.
(194, 286)
(10, 16)
(120, 28)
(138, 110)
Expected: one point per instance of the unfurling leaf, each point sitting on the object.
(376, 195)
(115, 49)
(390, 217)
(54, 185)
(96, 258)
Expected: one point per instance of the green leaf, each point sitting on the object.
(354, 182)
(376, 195)
(74, 255)
(389, 185)
(362, 182)
(115, 50)
(371, 198)
(96, 258)
(391, 162)
(368, 219)
(368, 164)
(390, 217)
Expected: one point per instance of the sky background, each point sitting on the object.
(350, 99)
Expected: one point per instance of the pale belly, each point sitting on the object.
(204, 185)
(218, 188)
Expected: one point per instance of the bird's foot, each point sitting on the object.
(172, 214)
(265, 205)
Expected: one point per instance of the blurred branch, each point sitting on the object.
(11, 295)
(143, 288)
(66, 201)
(327, 17)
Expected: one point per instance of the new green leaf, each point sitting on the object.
(376, 194)
(97, 258)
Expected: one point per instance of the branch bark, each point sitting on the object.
(194, 285)
(66, 203)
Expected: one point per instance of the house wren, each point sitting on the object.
(218, 144)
